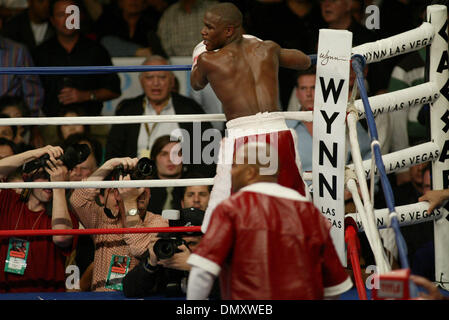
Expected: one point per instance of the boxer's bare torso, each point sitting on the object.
(244, 74)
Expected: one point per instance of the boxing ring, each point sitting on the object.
(435, 91)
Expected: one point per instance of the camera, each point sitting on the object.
(167, 245)
(145, 168)
(73, 155)
(166, 248)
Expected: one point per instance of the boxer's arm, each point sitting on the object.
(294, 59)
(198, 77)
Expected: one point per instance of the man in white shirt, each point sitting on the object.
(31, 27)
(136, 140)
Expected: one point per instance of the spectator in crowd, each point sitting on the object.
(166, 276)
(64, 131)
(27, 87)
(417, 236)
(195, 196)
(10, 8)
(70, 48)
(7, 148)
(28, 211)
(93, 161)
(166, 154)
(25, 137)
(337, 15)
(249, 266)
(433, 292)
(301, 20)
(408, 72)
(122, 207)
(31, 27)
(436, 198)
(7, 132)
(129, 29)
(305, 95)
(131, 140)
(180, 26)
(58, 134)
(85, 250)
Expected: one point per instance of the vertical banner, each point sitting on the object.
(331, 98)
(439, 125)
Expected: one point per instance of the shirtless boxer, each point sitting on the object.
(243, 72)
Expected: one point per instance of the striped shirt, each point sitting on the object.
(180, 31)
(92, 215)
(29, 87)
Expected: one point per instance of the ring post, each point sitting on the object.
(331, 99)
(439, 130)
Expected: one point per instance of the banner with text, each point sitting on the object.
(331, 97)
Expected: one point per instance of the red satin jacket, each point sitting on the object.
(269, 242)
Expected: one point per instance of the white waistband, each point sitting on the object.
(259, 123)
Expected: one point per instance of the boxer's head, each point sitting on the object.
(222, 25)
(254, 162)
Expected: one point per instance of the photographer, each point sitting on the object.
(42, 268)
(118, 208)
(157, 275)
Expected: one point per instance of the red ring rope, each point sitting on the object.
(51, 232)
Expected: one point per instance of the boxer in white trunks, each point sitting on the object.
(243, 72)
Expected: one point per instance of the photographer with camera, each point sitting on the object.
(42, 266)
(117, 208)
(163, 269)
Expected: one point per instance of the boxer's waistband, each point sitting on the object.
(259, 123)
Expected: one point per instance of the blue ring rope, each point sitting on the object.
(101, 69)
(358, 63)
(91, 69)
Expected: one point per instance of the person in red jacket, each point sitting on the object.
(266, 241)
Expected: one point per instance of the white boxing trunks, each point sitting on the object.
(266, 127)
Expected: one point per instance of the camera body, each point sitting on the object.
(167, 245)
(73, 155)
(145, 168)
(165, 248)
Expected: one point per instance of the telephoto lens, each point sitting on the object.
(73, 155)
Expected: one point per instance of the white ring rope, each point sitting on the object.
(405, 158)
(367, 204)
(397, 100)
(294, 115)
(402, 43)
(371, 230)
(409, 214)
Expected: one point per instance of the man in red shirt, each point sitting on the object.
(266, 241)
(42, 266)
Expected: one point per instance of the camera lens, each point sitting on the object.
(164, 248)
(145, 167)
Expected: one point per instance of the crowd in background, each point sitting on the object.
(34, 33)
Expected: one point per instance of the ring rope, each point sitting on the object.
(369, 222)
(374, 242)
(99, 69)
(358, 63)
(408, 214)
(90, 69)
(93, 120)
(406, 42)
(60, 232)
